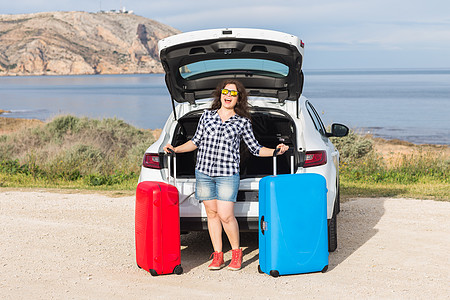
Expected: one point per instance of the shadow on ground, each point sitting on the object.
(198, 249)
(356, 225)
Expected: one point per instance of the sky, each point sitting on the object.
(337, 34)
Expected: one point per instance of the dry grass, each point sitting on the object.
(394, 151)
(9, 125)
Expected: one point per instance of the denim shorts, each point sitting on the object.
(224, 188)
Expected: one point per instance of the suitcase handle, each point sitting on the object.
(172, 155)
(263, 225)
(275, 153)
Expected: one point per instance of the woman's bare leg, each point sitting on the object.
(214, 224)
(225, 211)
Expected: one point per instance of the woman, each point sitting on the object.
(217, 139)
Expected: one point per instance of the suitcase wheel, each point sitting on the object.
(139, 266)
(153, 272)
(178, 270)
(274, 273)
(325, 269)
(259, 270)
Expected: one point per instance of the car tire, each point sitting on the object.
(332, 231)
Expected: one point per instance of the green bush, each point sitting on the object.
(63, 125)
(13, 167)
(6, 149)
(81, 157)
(353, 146)
(117, 178)
(102, 152)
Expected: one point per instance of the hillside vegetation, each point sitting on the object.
(72, 152)
(404, 170)
(69, 43)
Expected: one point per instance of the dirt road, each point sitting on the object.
(78, 246)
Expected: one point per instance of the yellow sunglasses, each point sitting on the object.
(232, 93)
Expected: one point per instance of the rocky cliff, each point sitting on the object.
(69, 43)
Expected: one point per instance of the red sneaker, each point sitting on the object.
(236, 260)
(217, 262)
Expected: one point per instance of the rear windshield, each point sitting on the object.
(233, 66)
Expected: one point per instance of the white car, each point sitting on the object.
(269, 64)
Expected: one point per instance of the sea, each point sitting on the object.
(406, 104)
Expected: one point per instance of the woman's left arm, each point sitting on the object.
(253, 145)
(264, 151)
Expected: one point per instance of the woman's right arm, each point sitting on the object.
(186, 147)
(190, 145)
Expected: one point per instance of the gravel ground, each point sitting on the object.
(81, 246)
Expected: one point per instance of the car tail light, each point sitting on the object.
(151, 160)
(315, 158)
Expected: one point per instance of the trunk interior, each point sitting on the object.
(270, 127)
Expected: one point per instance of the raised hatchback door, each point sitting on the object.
(268, 63)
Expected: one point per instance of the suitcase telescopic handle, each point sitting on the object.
(172, 156)
(275, 153)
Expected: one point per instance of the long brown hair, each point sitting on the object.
(241, 107)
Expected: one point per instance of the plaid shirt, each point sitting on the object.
(218, 143)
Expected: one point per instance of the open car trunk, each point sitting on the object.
(270, 127)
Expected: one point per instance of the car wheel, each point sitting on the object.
(332, 231)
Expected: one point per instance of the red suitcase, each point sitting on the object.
(157, 228)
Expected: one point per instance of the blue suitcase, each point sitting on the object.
(293, 235)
